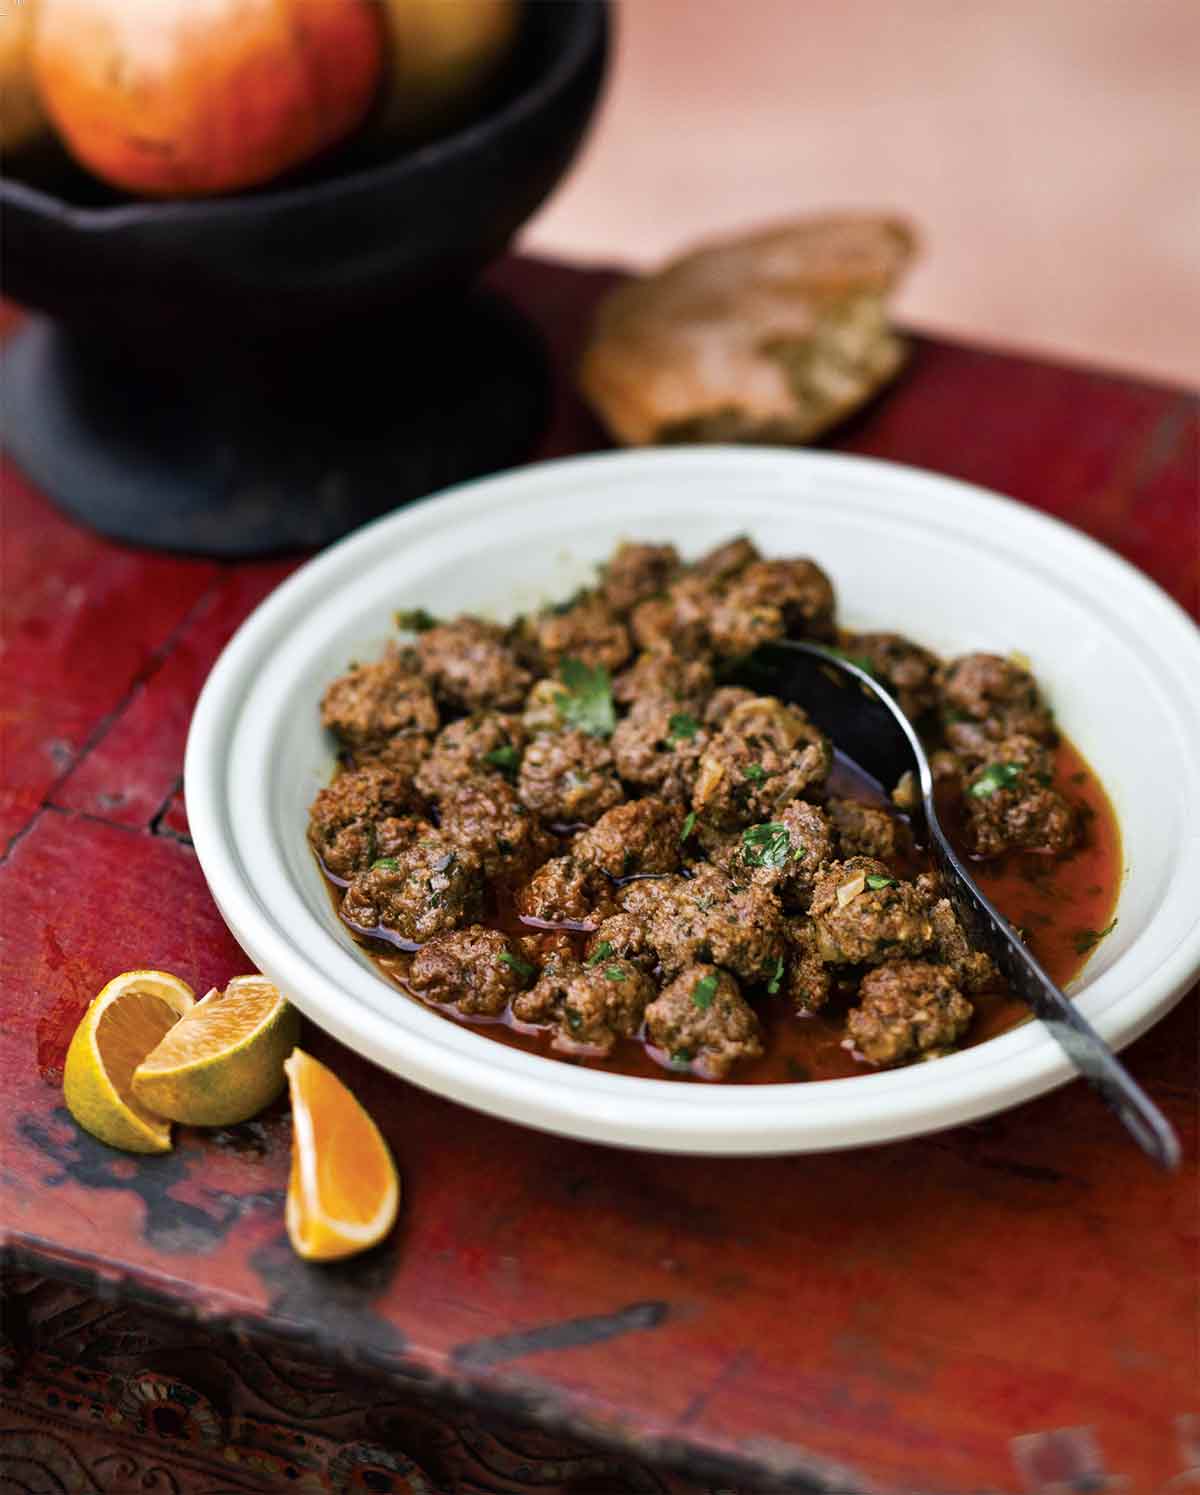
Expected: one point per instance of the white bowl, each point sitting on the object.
(952, 566)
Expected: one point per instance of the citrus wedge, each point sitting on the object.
(343, 1193)
(124, 1022)
(222, 1062)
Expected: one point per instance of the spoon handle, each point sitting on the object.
(1091, 1056)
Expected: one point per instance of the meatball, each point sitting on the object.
(486, 817)
(640, 836)
(985, 698)
(344, 818)
(474, 970)
(375, 701)
(624, 936)
(707, 917)
(584, 630)
(862, 915)
(725, 561)
(971, 969)
(487, 746)
(807, 980)
(765, 755)
(665, 677)
(781, 855)
(679, 621)
(471, 665)
(635, 572)
(564, 891)
(404, 753)
(798, 589)
(907, 1009)
(741, 621)
(722, 702)
(428, 888)
(1010, 804)
(543, 711)
(868, 831)
(568, 777)
(702, 1021)
(657, 749)
(590, 1006)
(904, 669)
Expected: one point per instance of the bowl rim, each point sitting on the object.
(626, 1110)
(586, 37)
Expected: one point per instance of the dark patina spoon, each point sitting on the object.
(871, 730)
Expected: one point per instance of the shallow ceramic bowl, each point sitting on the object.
(955, 567)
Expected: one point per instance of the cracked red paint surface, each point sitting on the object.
(903, 1311)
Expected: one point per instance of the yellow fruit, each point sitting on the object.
(440, 56)
(22, 120)
(223, 1062)
(343, 1193)
(128, 1019)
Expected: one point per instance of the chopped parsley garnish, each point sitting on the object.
(390, 864)
(776, 977)
(615, 973)
(860, 660)
(602, 951)
(1088, 939)
(516, 965)
(587, 703)
(682, 727)
(876, 880)
(505, 758)
(689, 825)
(681, 1057)
(416, 620)
(995, 776)
(768, 845)
(755, 772)
(704, 991)
(574, 1019)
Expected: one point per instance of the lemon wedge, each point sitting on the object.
(344, 1192)
(128, 1018)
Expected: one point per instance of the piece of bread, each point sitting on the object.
(769, 337)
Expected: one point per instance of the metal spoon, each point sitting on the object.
(869, 727)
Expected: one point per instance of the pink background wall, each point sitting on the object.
(1048, 149)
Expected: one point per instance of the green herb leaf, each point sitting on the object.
(681, 1057)
(995, 776)
(516, 965)
(776, 977)
(689, 825)
(588, 703)
(1088, 939)
(416, 620)
(507, 759)
(875, 881)
(768, 845)
(682, 727)
(602, 951)
(615, 973)
(390, 864)
(755, 772)
(704, 991)
(860, 660)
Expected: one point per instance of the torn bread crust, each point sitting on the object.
(771, 337)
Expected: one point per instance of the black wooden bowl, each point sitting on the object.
(168, 317)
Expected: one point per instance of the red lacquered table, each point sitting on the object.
(1010, 1306)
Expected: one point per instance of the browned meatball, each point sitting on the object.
(679, 621)
(741, 621)
(624, 936)
(657, 749)
(590, 1006)
(564, 891)
(343, 819)
(972, 969)
(868, 831)
(375, 701)
(862, 915)
(663, 676)
(985, 698)
(543, 710)
(473, 747)
(907, 1009)
(640, 836)
(1010, 804)
(567, 778)
(798, 588)
(428, 888)
(486, 817)
(404, 753)
(904, 669)
(725, 561)
(722, 702)
(475, 970)
(586, 630)
(707, 917)
(471, 666)
(781, 855)
(808, 981)
(702, 1022)
(765, 755)
(635, 572)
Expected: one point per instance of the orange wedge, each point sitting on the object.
(343, 1193)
